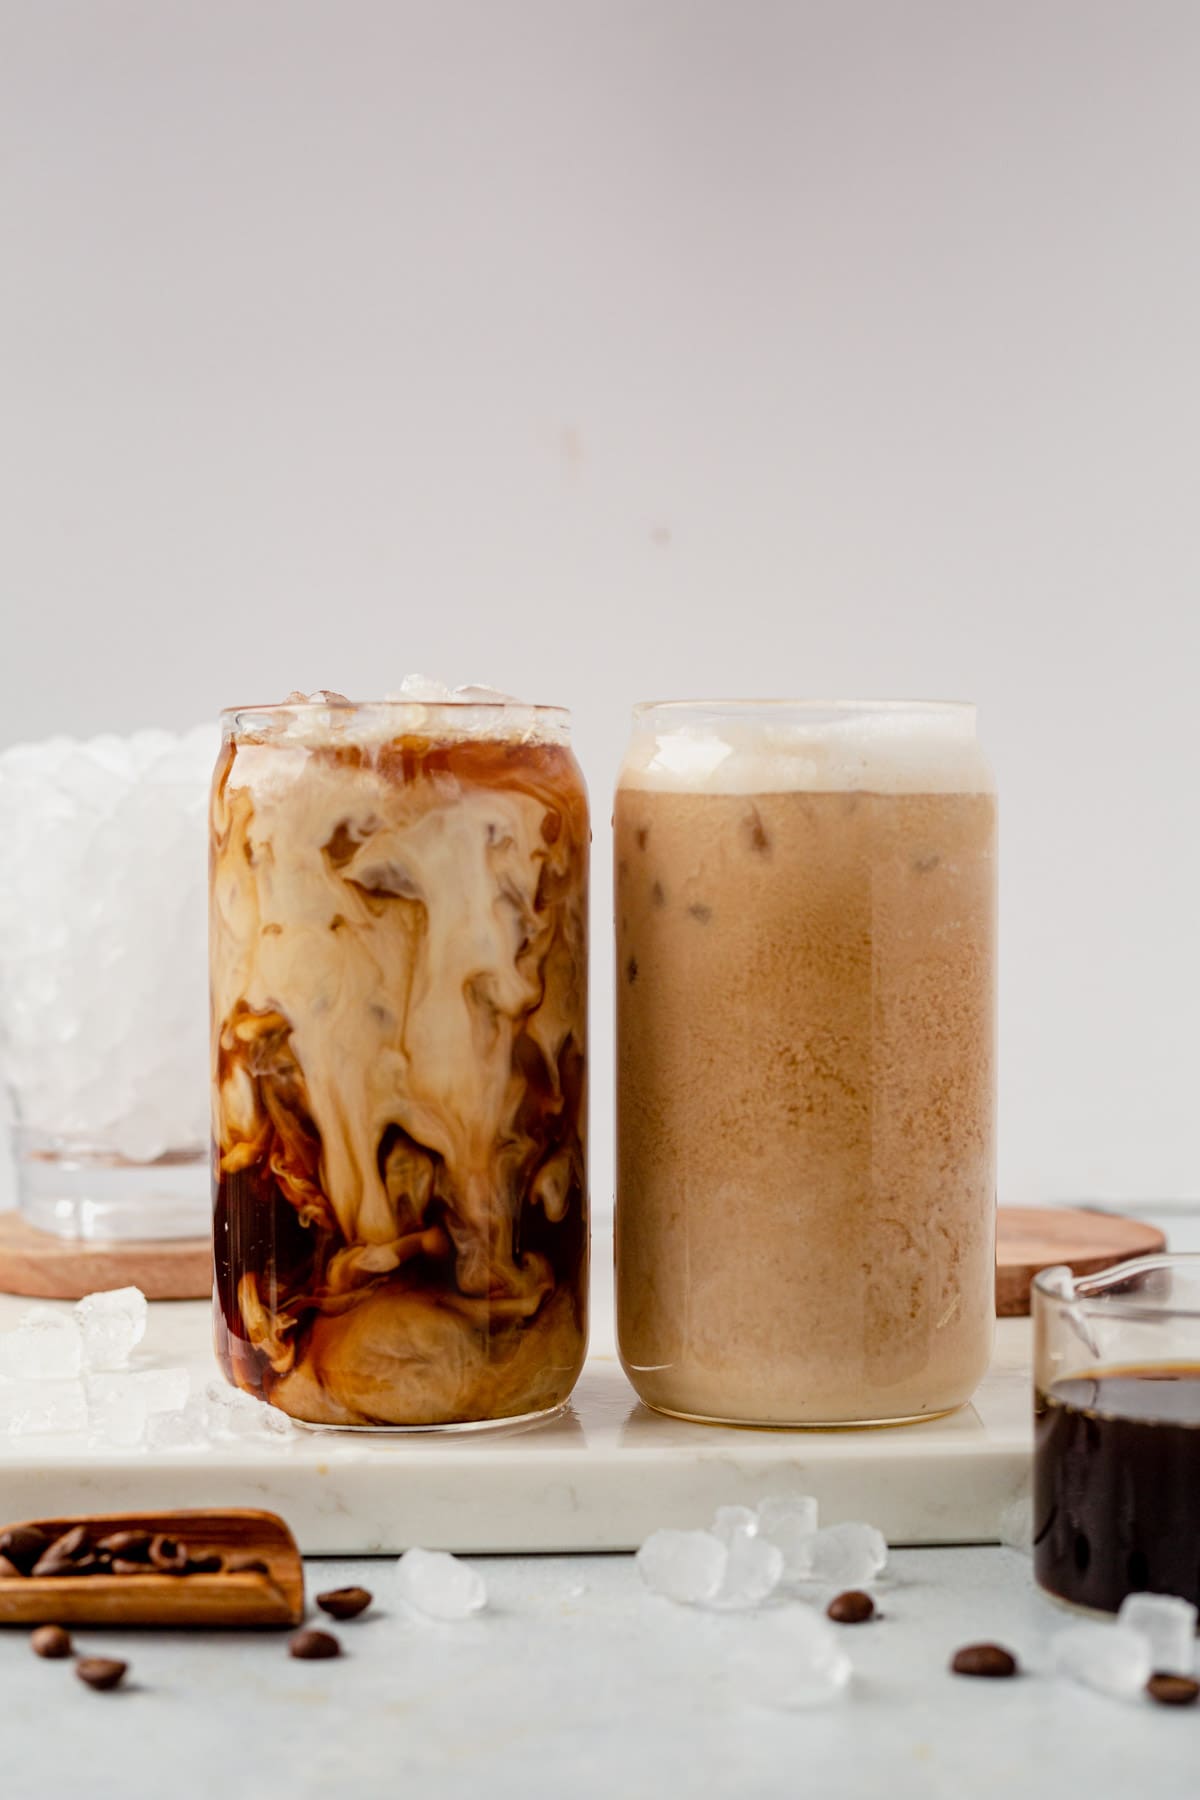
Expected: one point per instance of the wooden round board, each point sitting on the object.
(47, 1267)
(1029, 1238)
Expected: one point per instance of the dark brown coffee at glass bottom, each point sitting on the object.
(1116, 1477)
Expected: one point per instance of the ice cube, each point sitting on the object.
(478, 693)
(1168, 1625)
(685, 1566)
(44, 1346)
(166, 1390)
(1110, 1658)
(793, 1658)
(437, 1584)
(186, 1429)
(730, 1521)
(850, 1555)
(32, 1407)
(116, 1410)
(424, 690)
(113, 1324)
(232, 1413)
(753, 1570)
(789, 1521)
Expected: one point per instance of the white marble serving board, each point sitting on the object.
(599, 1477)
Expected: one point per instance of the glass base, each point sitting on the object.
(522, 1422)
(89, 1194)
(672, 1412)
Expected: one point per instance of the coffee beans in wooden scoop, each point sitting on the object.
(345, 1603)
(51, 1641)
(313, 1646)
(1173, 1690)
(990, 1660)
(22, 1545)
(168, 1556)
(246, 1565)
(851, 1608)
(63, 1554)
(101, 1672)
(129, 1546)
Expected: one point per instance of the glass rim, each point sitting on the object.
(735, 706)
(402, 704)
(1091, 1292)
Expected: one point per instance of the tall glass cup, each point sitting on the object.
(806, 919)
(399, 1005)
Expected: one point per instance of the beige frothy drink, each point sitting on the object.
(805, 973)
(399, 987)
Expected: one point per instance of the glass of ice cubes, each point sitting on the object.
(103, 1008)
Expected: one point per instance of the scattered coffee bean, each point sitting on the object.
(345, 1603)
(1173, 1690)
(101, 1671)
(10, 1568)
(851, 1608)
(204, 1565)
(168, 1556)
(984, 1659)
(246, 1565)
(313, 1646)
(63, 1554)
(23, 1545)
(51, 1641)
(130, 1546)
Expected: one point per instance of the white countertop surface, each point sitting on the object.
(577, 1682)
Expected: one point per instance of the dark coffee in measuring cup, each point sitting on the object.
(1117, 1484)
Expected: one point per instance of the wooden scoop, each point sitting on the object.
(220, 1597)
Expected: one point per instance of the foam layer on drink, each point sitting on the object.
(775, 747)
(399, 990)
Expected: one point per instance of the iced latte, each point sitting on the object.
(399, 991)
(805, 901)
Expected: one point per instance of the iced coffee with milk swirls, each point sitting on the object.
(399, 1007)
(805, 916)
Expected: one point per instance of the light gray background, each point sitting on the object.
(606, 350)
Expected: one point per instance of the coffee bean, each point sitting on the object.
(130, 1546)
(63, 1554)
(313, 1646)
(1173, 1690)
(168, 1556)
(10, 1568)
(984, 1659)
(345, 1603)
(101, 1671)
(51, 1641)
(204, 1565)
(851, 1608)
(119, 1566)
(23, 1545)
(246, 1565)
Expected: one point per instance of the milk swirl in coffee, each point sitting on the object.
(805, 902)
(399, 983)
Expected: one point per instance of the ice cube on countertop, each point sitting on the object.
(440, 1585)
(1168, 1625)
